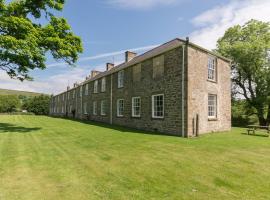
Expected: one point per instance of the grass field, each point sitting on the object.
(17, 92)
(48, 158)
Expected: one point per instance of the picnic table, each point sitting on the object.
(254, 128)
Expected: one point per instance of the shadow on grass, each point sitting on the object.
(119, 128)
(11, 128)
(257, 134)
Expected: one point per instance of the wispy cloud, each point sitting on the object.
(105, 55)
(212, 23)
(141, 4)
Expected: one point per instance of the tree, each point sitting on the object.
(24, 42)
(38, 105)
(249, 48)
(9, 103)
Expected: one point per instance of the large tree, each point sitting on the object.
(249, 48)
(25, 41)
(38, 105)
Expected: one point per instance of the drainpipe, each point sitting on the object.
(111, 100)
(183, 90)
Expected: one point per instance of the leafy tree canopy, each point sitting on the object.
(249, 48)
(38, 105)
(24, 42)
(9, 103)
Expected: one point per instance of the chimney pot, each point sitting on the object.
(94, 73)
(130, 55)
(109, 66)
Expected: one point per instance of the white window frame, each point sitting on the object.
(153, 106)
(96, 86)
(212, 106)
(86, 90)
(119, 114)
(120, 76)
(85, 105)
(81, 89)
(103, 84)
(134, 106)
(70, 109)
(103, 108)
(94, 108)
(212, 69)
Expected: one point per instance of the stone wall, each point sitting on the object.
(199, 88)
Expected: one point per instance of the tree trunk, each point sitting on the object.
(268, 116)
(261, 118)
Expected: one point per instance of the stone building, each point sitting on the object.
(178, 88)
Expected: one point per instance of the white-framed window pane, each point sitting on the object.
(121, 79)
(103, 108)
(136, 107)
(211, 68)
(158, 106)
(103, 84)
(120, 107)
(94, 108)
(86, 90)
(81, 91)
(85, 105)
(212, 105)
(96, 86)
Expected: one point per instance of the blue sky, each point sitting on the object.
(109, 27)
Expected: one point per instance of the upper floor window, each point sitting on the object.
(120, 107)
(121, 79)
(86, 90)
(102, 108)
(68, 93)
(212, 105)
(96, 86)
(103, 84)
(137, 73)
(158, 106)
(136, 107)
(212, 69)
(81, 91)
(158, 66)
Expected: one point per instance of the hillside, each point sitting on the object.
(17, 92)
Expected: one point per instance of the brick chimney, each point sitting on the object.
(94, 73)
(129, 56)
(109, 66)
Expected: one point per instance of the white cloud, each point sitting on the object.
(105, 55)
(212, 24)
(140, 4)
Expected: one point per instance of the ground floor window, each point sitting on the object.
(212, 105)
(103, 108)
(85, 108)
(70, 109)
(94, 108)
(136, 107)
(120, 107)
(158, 106)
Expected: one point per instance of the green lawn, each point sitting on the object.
(49, 158)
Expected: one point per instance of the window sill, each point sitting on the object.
(212, 119)
(212, 81)
(157, 118)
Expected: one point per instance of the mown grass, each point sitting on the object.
(49, 158)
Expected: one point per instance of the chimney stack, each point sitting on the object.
(68, 88)
(94, 73)
(129, 56)
(109, 66)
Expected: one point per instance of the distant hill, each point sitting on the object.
(17, 92)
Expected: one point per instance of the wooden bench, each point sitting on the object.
(253, 128)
